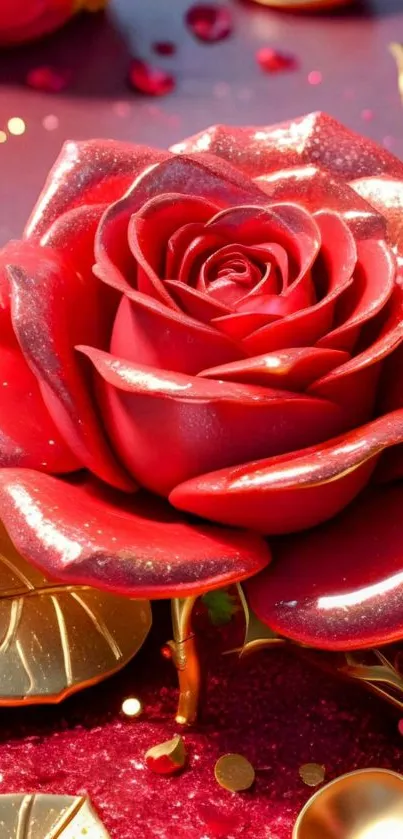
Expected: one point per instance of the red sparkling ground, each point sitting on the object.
(271, 708)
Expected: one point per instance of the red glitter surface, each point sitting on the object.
(270, 707)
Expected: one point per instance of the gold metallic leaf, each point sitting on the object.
(56, 639)
(257, 634)
(379, 672)
(49, 817)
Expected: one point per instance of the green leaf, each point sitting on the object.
(221, 606)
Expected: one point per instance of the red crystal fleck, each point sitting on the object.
(273, 61)
(48, 79)
(209, 22)
(151, 80)
(164, 47)
(400, 727)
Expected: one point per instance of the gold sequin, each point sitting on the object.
(234, 772)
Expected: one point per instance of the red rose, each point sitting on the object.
(236, 350)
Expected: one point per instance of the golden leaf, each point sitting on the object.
(56, 639)
(257, 634)
(49, 817)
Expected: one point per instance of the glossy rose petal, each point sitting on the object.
(386, 196)
(146, 78)
(340, 586)
(136, 545)
(209, 22)
(338, 256)
(286, 225)
(315, 138)
(168, 427)
(28, 436)
(374, 280)
(47, 324)
(164, 214)
(89, 172)
(147, 332)
(239, 325)
(343, 382)
(296, 491)
(291, 369)
(316, 190)
(194, 303)
(198, 176)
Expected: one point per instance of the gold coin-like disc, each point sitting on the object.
(234, 772)
(58, 638)
(312, 774)
(49, 817)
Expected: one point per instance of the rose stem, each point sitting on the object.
(186, 660)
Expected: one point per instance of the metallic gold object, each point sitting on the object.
(367, 804)
(234, 773)
(56, 638)
(49, 817)
(378, 671)
(257, 634)
(312, 774)
(397, 52)
(184, 653)
(305, 5)
(167, 758)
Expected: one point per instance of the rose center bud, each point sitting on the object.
(240, 276)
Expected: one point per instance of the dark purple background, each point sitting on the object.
(215, 83)
(273, 708)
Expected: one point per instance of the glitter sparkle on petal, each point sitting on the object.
(145, 78)
(209, 22)
(3, 139)
(274, 61)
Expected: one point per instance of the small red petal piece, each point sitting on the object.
(164, 47)
(274, 61)
(209, 22)
(48, 79)
(150, 80)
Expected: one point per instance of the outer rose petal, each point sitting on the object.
(316, 138)
(386, 196)
(136, 545)
(339, 586)
(28, 435)
(147, 332)
(52, 307)
(291, 369)
(315, 190)
(168, 427)
(295, 491)
(89, 172)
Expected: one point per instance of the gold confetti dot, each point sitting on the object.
(312, 774)
(132, 707)
(16, 126)
(3, 136)
(234, 773)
